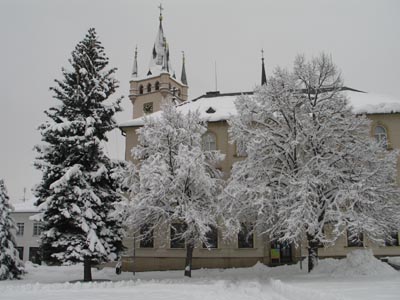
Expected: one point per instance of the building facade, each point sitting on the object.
(159, 253)
(28, 231)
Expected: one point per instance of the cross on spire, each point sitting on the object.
(161, 9)
(262, 53)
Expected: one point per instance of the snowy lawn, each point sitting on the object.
(333, 279)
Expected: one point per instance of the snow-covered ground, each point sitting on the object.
(360, 276)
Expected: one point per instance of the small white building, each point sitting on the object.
(28, 231)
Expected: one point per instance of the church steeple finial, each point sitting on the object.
(263, 76)
(183, 74)
(135, 67)
(161, 9)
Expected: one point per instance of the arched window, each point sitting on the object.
(381, 135)
(157, 86)
(149, 87)
(141, 89)
(209, 142)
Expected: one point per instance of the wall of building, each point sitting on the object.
(28, 240)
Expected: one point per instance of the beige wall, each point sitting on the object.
(228, 254)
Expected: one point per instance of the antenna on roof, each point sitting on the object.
(216, 78)
(24, 197)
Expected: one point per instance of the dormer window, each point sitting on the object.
(381, 135)
(141, 89)
(157, 86)
(149, 87)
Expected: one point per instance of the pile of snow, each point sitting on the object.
(357, 262)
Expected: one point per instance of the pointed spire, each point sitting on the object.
(135, 67)
(183, 74)
(263, 76)
(160, 55)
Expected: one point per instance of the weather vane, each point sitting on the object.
(262, 53)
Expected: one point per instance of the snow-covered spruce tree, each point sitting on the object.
(312, 168)
(78, 190)
(174, 180)
(11, 267)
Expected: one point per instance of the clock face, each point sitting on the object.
(148, 108)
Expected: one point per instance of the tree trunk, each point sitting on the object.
(312, 252)
(189, 259)
(87, 269)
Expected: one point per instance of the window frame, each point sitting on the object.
(212, 234)
(174, 242)
(393, 243)
(37, 229)
(382, 136)
(355, 243)
(20, 232)
(206, 143)
(245, 240)
(146, 240)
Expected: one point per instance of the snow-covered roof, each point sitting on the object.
(26, 206)
(214, 107)
(366, 103)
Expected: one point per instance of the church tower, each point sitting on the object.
(159, 82)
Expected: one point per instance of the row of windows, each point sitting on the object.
(210, 141)
(149, 88)
(357, 240)
(34, 254)
(37, 229)
(245, 237)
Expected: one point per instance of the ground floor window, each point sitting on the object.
(177, 229)
(146, 237)
(20, 252)
(212, 237)
(355, 239)
(246, 236)
(393, 241)
(34, 255)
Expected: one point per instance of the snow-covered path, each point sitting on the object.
(332, 280)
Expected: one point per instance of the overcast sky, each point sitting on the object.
(37, 38)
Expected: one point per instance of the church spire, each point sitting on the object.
(135, 67)
(183, 74)
(263, 76)
(159, 61)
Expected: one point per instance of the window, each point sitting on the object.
(157, 86)
(246, 237)
(394, 241)
(177, 229)
(355, 239)
(149, 87)
(209, 142)
(37, 229)
(241, 149)
(20, 229)
(212, 238)
(381, 135)
(34, 255)
(147, 237)
(141, 89)
(148, 108)
(20, 252)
